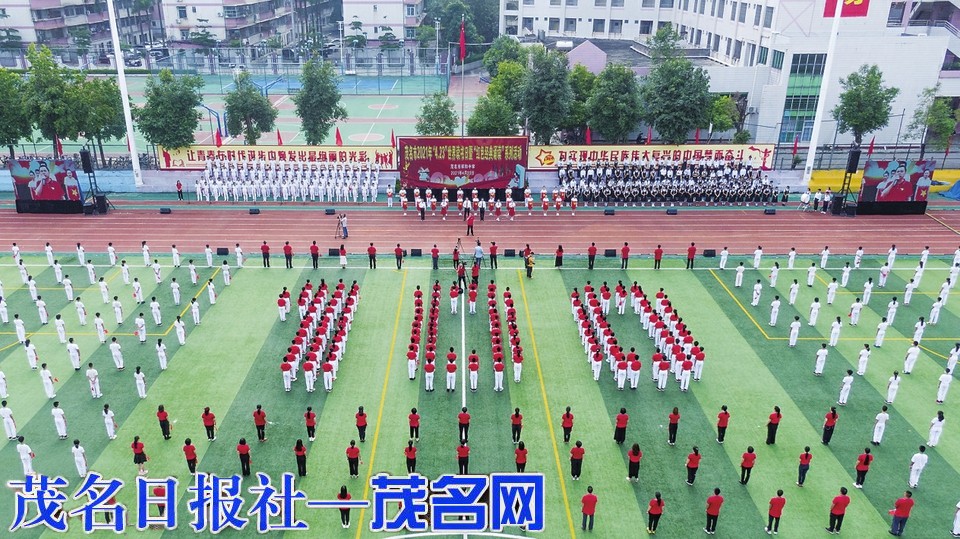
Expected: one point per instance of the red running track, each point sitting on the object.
(738, 230)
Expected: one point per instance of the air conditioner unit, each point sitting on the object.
(751, 110)
(220, 15)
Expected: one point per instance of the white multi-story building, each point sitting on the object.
(401, 16)
(775, 50)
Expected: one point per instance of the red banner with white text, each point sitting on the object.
(471, 162)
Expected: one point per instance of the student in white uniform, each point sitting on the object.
(194, 276)
(67, 287)
(211, 292)
(162, 354)
(4, 313)
(910, 359)
(738, 280)
(104, 290)
(794, 290)
(49, 252)
(112, 254)
(9, 423)
(225, 271)
(943, 386)
(180, 329)
(79, 458)
(155, 310)
(137, 290)
(91, 272)
(26, 456)
(936, 429)
(891, 255)
(863, 359)
(821, 360)
(867, 290)
(892, 307)
(73, 351)
(140, 379)
(101, 328)
(157, 271)
(855, 309)
(125, 272)
(951, 362)
(109, 422)
(208, 253)
(59, 420)
(883, 275)
(774, 274)
(908, 291)
(774, 310)
(794, 331)
(145, 250)
(824, 255)
(32, 355)
(239, 253)
(917, 463)
(3, 386)
(724, 254)
(893, 384)
(814, 312)
(757, 255)
(918, 329)
(175, 290)
(811, 274)
(935, 311)
(835, 327)
(195, 311)
(757, 290)
(880, 425)
(42, 310)
(93, 378)
(845, 385)
(176, 256)
(845, 276)
(791, 258)
(46, 377)
(19, 328)
(116, 352)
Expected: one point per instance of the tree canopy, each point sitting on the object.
(169, 116)
(581, 84)
(864, 102)
(508, 84)
(614, 106)
(492, 117)
(14, 122)
(676, 99)
(934, 121)
(546, 94)
(318, 101)
(46, 99)
(503, 48)
(248, 110)
(437, 116)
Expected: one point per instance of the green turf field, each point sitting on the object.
(230, 364)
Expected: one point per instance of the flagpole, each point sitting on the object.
(463, 73)
(822, 99)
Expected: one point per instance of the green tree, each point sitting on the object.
(437, 116)
(81, 41)
(318, 101)
(143, 9)
(864, 102)
(508, 84)
(722, 112)
(503, 48)
(933, 121)
(664, 45)
(486, 15)
(45, 93)
(248, 110)
(450, 16)
(14, 122)
(169, 116)
(356, 40)
(388, 40)
(492, 117)
(614, 106)
(103, 111)
(203, 39)
(581, 83)
(546, 94)
(676, 99)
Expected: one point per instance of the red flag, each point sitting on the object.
(849, 9)
(393, 140)
(870, 148)
(279, 138)
(58, 146)
(947, 151)
(796, 144)
(339, 138)
(649, 134)
(589, 136)
(463, 40)
(696, 137)
(216, 138)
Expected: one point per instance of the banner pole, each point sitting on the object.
(463, 80)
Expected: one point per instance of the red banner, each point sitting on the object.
(474, 162)
(851, 8)
(45, 179)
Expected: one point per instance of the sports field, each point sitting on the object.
(230, 363)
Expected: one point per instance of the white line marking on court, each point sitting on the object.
(294, 137)
(281, 100)
(374, 122)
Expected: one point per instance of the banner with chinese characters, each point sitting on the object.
(896, 181)
(851, 8)
(474, 162)
(195, 157)
(45, 179)
(548, 157)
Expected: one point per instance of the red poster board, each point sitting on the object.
(471, 162)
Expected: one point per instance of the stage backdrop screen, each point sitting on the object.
(896, 181)
(45, 179)
(471, 162)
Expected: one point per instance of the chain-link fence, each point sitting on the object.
(835, 157)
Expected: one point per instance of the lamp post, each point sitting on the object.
(341, 47)
(436, 24)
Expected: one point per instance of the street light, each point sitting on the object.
(436, 23)
(341, 47)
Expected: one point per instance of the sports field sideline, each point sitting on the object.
(230, 363)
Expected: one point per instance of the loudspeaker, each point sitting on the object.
(223, 251)
(166, 211)
(709, 253)
(609, 211)
(335, 251)
(416, 252)
(101, 202)
(609, 253)
(85, 161)
(330, 211)
(671, 211)
(510, 253)
(853, 161)
(88, 209)
(254, 211)
(769, 211)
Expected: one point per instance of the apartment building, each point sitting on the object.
(401, 16)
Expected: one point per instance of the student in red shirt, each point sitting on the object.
(243, 451)
(260, 421)
(772, 425)
(713, 511)
(353, 459)
(314, 253)
(654, 512)
(620, 432)
(343, 495)
(776, 510)
(463, 422)
(288, 254)
(414, 419)
(410, 452)
(470, 221)
(863, 466)
(160, 492)
(829, 421)
(589, 508)
(516, 425)
(657, 257)
(566, 423)
(139, 456)
(265, 251)
(576, 460)
(624, 255)
(691, 254)
(398, 252)
(463, 457)
(805, 459)
(723, 418)
(591, 255)
(674, 419)
(693, 464)
(310, 419)
(838, 508)
(521, 456)
(372, 255)
(435, 256)
(163, 417)
(190, 453)
(747, 460)
(361, 417)
(558, 257)
(633, 469)
(300, 451)
(901, 512)
(493, 255)
(209, 423)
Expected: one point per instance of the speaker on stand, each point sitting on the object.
(95, 197)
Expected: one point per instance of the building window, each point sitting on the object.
(554, 2)
(800, 104)
(698, 38)
(720, 6)
(768, 17)
(616, 3)
(729, 45)
(743, 12)
(713, 7)
(757, 12)
(181, 12)
(230, 12)
(762, 58)
(666, 4)
(553, 24)
(649, 3)
(733, 11)
(662, 24)
(616, 26)
(716, 43)
(777, 61)
(528, 23)
(646, 28)
(599, 26)
(570, 25)
(571, 2)
(184, 35)
(410, 32)
(737, 49)
(686, 5)
(599, 3)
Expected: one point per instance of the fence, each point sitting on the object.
(835, 157)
